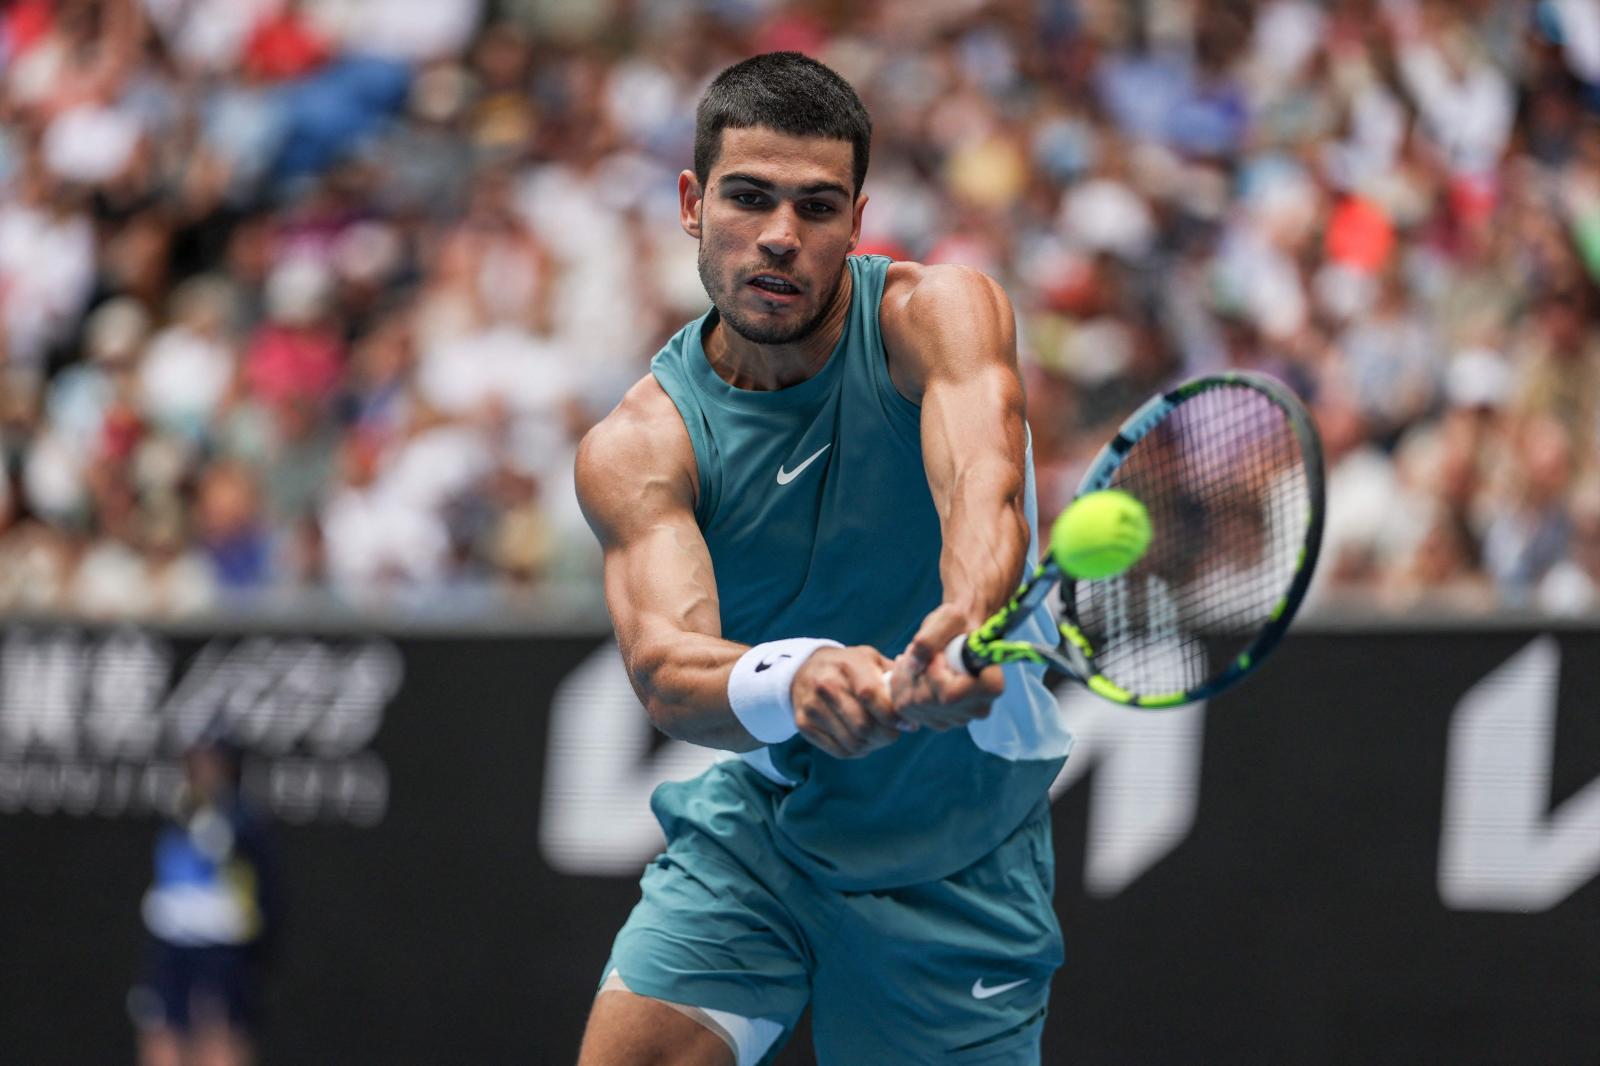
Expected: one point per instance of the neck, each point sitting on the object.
(744, 364)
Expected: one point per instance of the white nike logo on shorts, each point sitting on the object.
(982, 991)
(786, 476)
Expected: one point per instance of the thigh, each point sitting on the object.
(627, 1028)
(715, 930)
(954, 971)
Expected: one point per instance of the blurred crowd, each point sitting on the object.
(315, 297)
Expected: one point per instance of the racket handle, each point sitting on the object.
(960, 657)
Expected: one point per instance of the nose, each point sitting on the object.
(780, 236)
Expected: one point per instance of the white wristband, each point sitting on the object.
(758, 688)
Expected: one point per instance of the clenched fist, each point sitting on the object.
(841, 703)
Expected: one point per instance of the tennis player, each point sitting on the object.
(822, 482)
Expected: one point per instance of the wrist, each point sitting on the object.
(760, 686)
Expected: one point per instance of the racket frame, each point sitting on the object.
(1074, 656)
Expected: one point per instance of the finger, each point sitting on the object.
(900, 677)
(812, 729)
(937, 630)
(939, 683)
(871, 690)
(892, 712)
(926, 691)
(961, 697)
(845, 721)
(820, 722)
(813, 726)
(870, 677)
(858, 728)
(851, 743)
(877, 718)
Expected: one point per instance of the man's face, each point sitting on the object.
(775, 222)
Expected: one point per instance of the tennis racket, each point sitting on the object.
(1229, 468)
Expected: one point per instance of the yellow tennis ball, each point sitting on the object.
(1100, 535)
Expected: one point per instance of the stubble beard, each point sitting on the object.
(777, 332)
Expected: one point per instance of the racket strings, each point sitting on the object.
(1224, 481)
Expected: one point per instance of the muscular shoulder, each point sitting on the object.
(922, 282)
(635, 463)
(943, 317)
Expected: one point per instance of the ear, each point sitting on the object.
(855, 221)
(690, 199)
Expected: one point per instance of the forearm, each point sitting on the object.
(660, 582)
(682, 680)
(974, 439)
(985, 540)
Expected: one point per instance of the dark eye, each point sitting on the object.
(817, 207)
(747, 199)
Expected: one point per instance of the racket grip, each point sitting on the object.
(960, 657)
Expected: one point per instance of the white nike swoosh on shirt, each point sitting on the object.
(786, 476)
(982, 991)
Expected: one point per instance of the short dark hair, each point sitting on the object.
(787, 92)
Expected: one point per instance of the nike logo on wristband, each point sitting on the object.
(768, 665)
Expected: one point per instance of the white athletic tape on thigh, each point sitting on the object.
(758, 688)
(748, 1038)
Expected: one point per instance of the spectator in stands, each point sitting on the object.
(347, 243)
(228, 512)
(1531, 530)
(190, 365)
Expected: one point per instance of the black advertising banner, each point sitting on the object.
(1385, 848)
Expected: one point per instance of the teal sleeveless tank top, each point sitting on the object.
(816, 509)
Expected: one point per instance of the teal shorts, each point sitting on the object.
(956, 970)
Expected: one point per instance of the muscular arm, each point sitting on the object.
(635, 480)
(952, 346)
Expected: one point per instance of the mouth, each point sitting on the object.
(774, 286)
